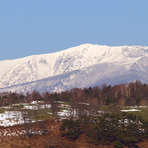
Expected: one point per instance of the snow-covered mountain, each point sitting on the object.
(82, 66)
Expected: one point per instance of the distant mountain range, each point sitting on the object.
(82, 66)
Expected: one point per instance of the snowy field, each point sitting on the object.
(10, 118)
(16, 117)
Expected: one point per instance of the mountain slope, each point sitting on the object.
(82, 66)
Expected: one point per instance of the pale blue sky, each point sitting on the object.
(30, 27)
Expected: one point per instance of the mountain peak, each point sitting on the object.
(63, 66)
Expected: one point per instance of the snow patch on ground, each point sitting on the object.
(10, 118)
(130, 110)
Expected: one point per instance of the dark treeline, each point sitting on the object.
(120, 95)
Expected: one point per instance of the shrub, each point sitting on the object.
(117, 144)
(71, 129)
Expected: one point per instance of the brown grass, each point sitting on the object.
(47, 141)
(52, 140)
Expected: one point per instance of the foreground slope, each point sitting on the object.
(82, 66)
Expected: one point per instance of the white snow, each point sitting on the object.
(64, 113)
(130, 110)
(10, 118)
(36, 102)
(37, 107)
(69, 68)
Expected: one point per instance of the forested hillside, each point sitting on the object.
(120, 95)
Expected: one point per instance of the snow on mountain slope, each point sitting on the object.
(109, 73)
(82, 66)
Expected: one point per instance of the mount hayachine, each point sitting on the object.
(82, 66)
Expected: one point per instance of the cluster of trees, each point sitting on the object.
(8, 98)
(117, 129)
(120, 95)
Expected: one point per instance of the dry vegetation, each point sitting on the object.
(51, 140)
(106, 98)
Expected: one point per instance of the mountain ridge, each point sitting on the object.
(82, 58)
